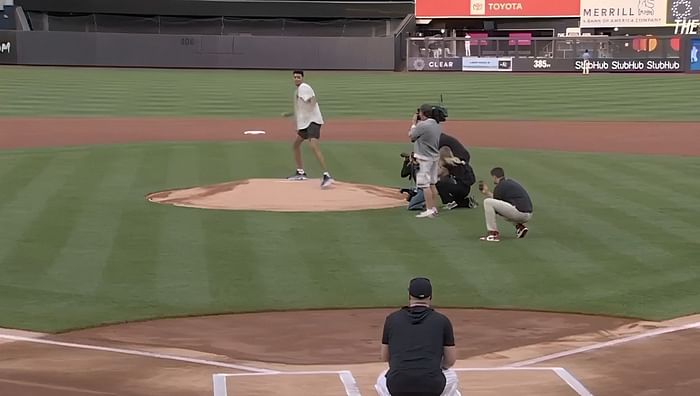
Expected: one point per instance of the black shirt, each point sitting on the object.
(416, 337)
(457, 148)
(463, 173)
(512, 192)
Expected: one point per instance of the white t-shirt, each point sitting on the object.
(306, 112)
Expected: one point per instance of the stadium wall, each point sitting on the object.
(204, 51)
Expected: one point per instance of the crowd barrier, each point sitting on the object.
(624, 54)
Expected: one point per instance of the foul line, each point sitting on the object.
(346, 377)
(138, 353)
(350, 383)
(600, 345)
(574, 383)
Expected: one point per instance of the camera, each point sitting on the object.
(437, 113)
(481, 185)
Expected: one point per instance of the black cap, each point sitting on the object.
(426, 108)
(420, 288)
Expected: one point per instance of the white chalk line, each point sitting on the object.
(346, 377)
(606, 344)
(137, 353)
(572, 381)
(566, 376)
(350, 384)
(352, 389)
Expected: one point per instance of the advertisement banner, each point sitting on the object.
(487, 64)
(434, 64)
(694, 49)
(623, 13)
(497, 8)
(599, 65)
(683, 10)
(8, 48)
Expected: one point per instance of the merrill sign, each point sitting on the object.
(625, 13)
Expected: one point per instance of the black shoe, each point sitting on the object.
(326, 181)
(298, 176)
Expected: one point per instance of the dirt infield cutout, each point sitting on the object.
(280, 195)
(500, 352)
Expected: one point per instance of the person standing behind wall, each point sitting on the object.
(419, 345)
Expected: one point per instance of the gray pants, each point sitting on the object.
(503, 208)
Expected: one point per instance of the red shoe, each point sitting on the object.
(520, 230)
(493, 236)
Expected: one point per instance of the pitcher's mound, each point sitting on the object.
(282, 196)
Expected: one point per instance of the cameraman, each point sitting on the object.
(425, 135)
(456, 179)
(416, 200)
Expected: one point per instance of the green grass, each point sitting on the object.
(41, 91)
(80, 246)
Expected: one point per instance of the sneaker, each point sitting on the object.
(520, 230)
(326, 181)
(450, 205)
(430, 213)
(298, 176)
(493, 236)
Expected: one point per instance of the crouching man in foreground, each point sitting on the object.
(419, 345)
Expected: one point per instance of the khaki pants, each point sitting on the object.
(451, 384)
(492, 207)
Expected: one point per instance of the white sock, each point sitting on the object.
(327, 174)
(300, 171)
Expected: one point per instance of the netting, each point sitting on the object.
(212, 26)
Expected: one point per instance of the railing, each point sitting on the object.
(598, 47)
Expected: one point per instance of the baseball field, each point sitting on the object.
(103, 292)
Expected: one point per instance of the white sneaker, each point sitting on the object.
(450, 205)
(427, 213)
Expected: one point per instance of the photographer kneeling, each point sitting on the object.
(456, 179)
(415, 198)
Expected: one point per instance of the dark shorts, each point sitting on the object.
(313, 131)
(423, 384)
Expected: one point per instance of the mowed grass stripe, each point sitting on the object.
(132, 263)
(25, 238)
(640, 216)
(229, 258)
(675, 182)
(78, 265)
(18, 172)
(136, 92)
(635, 202)
(599, 222)
(181, 276)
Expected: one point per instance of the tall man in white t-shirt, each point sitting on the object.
(308, 125)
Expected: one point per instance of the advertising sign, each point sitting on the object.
(623, 13)
(694, 55)
(599, 65)
(682, 10)
(8, 48)
(487, 64)
(434, 64)
(497, 8)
